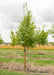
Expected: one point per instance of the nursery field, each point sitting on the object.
(41, 62)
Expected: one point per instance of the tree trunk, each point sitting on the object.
(28, 54)
(24, 58)
(28, 58)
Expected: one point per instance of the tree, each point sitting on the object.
(26, 33)
(41, 37)
(1, 41)
(14, 40)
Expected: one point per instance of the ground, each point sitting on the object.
(40, 61)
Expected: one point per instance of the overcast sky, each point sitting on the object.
(11, 13)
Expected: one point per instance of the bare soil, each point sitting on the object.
(30, 67)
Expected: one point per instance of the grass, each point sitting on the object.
(9, 59)
(42, 62)
(38, 62)
(20, 60)
(30, 55)
(49, 52)
(30, 51)
(43, 56)
(4, 54)
(6, 72)
(5, 59)
(8, 54)
(11, 50)
(35, 61)
(42, 51)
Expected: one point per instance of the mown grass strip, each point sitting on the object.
(9, 59)
(42, 52)
(6, 72)
(4, 54)
(35, 61)
(30, 51)
(20, 60)
(43, 56)
(42, 62)
(5, 59)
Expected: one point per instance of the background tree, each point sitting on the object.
(14, 39)
(41, 37)
(26, 33)
(1, 40)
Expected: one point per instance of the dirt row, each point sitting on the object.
(30, 67)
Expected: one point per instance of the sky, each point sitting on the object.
(11, 13)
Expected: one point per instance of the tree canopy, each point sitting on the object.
(26, 31)
(41, 37)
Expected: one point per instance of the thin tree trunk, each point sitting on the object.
(28, 60)
(28, 56)
(27, 68)
(25, 58)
